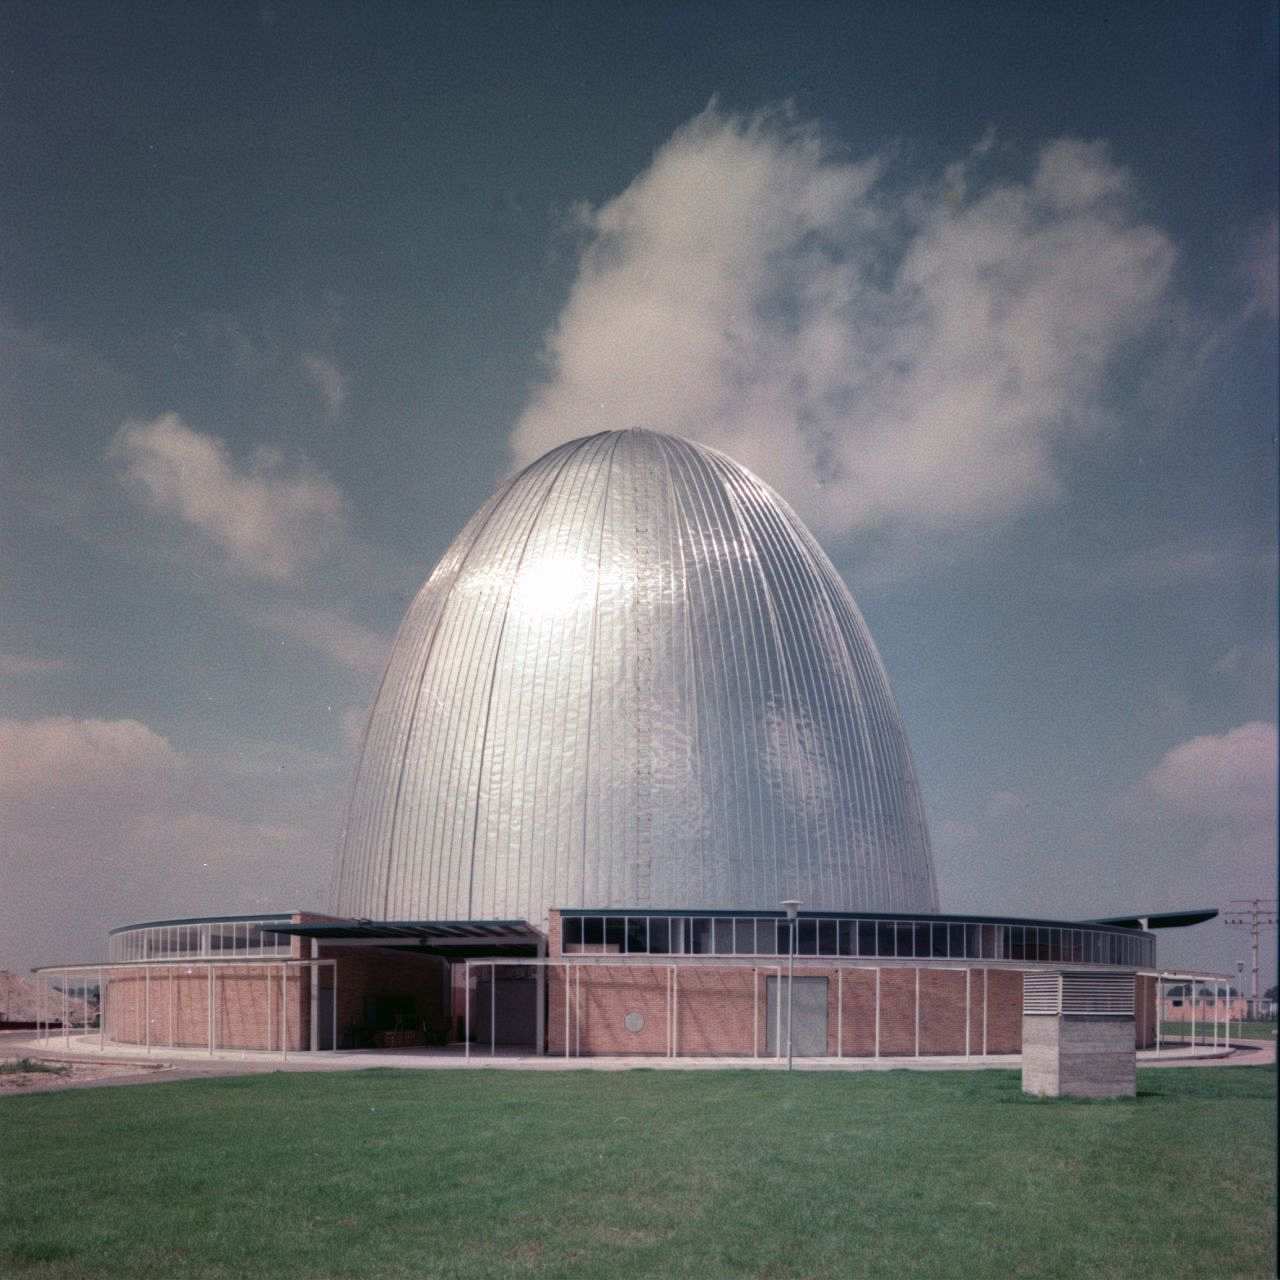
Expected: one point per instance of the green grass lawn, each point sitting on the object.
(1204, 1030)
(470, 1174)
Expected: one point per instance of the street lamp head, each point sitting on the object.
(791, 906)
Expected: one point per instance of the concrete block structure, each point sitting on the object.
(1078, 1036)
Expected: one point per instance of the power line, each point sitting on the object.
(1251, 914)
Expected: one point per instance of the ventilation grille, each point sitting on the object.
(1039, 993)
(1095, 994)
(1098, 993)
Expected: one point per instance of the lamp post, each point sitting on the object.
(792, 907)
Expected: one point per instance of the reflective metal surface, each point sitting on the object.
(633, 680)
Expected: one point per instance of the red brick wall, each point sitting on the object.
(897, 1012)
(941, 1011)
(858, 1021)
(1004, 1010)
(247, 1003)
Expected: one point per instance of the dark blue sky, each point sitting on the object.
(383, 254)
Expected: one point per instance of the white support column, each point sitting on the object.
(172, 1014)
(839, 1013)
(284, 1011)
(985, 1002)
(146, 1002)
(102, 1011)
(968, 1006)
(877, 1011)
(333, 981)
(1159, 1011)
(1193, 1015)
(917, 1011)
(675, 1012)
(540, 1017)
(209, 997)
(66, 1014)
(270, 998)
(566, 1009)
(315, 996)
(493, 1010)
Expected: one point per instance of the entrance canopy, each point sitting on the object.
(456, 939)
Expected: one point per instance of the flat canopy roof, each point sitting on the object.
(1160, 919)
(436, 933)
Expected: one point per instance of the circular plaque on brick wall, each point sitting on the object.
(634, 1021)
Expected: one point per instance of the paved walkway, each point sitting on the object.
(170, 1064)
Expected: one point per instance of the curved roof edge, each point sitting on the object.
(1159, 919)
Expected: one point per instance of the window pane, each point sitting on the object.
(724, 937)
(955, 941)
(615, 931)
(659, 935)
(885, 943)
(827, 938)
(807, 938)
(744, 937)
(867, 938)
(906, 940)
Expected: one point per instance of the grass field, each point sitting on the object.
(485, 1174)
(1204, 1031)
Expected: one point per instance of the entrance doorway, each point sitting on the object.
(504, 1011)
(809, 1023)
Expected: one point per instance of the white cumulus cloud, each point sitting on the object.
(268, 518)
(1224, 777)
(885, 353)
(57, 755)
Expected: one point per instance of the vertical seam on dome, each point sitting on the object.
(497, 655)
(591, 666)
(417, 696)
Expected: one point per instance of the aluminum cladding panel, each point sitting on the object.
(633, 680)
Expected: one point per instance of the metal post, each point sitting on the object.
(1159, 1012)
(540, 1016)
(315, 996)
(968, 1005)
(566, 1009)
(793, 910)
(675, 1011)
(917, 1011)
(209, 997)
(985, 972)
(877, 1011)
(146, 1002)
(172, 1013)
(270, 1028)
(839, 1013)
(1193, 1015)
(284, 1011)
(66, 1029)
(102, 1011)
(333, 982)
(493, 1010)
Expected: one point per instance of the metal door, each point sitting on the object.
(809, 1025)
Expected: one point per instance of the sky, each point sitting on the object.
(989, 294)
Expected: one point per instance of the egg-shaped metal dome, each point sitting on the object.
(634, 680)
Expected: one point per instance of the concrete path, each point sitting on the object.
(175, 1064)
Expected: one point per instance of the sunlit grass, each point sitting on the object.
(485, 1174)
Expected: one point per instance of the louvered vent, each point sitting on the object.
(1092, 994)
(1040, 993)
(1098, 993)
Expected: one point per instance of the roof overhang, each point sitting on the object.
(1159, 919)
(439, 937)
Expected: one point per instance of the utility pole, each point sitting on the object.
(1251, 914)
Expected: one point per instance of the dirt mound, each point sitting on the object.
(20, 1000)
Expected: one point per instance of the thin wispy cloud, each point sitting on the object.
(269, 518)
(887, 351)
(328, 380)
(332, 633)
